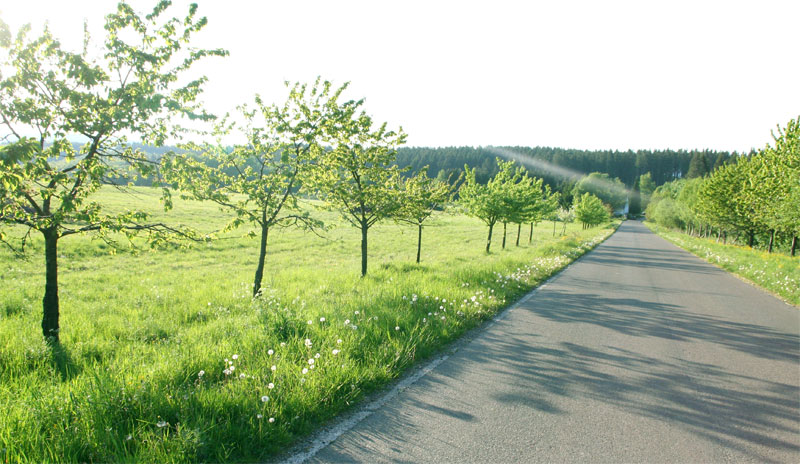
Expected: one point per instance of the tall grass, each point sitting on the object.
(166, 357)
(775, 272)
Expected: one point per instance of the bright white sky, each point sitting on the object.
(574, 74)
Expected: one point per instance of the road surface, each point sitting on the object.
(638, 352)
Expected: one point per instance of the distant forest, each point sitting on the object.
(663, 165)
(448, 163)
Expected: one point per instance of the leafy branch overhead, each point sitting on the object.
(259, 178)
(134, 87)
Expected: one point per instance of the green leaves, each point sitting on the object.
(64, 96)
(590, 210)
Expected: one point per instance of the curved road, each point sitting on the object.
(638, 352)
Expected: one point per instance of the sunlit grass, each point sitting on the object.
(778, 273)
(165, 357)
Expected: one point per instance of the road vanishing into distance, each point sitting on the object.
(638, 352)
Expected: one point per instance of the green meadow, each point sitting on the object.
(165, 357)
(775, 272)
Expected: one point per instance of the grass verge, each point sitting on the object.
(166, 358)
(777, 273)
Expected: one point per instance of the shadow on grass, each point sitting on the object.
(62, 361)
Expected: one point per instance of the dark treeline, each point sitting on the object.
(448, 162)
(663, 165)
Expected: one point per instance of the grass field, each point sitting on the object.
(165, 357)
(776, 272)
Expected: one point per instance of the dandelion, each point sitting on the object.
(397, 327)
(316, 356)
(232, 368)
(271, 386)
(424, 319)
(274, 368)
(356, 313)
(310, 322)
(346, 321)
(322, 319)
(201, 373)
(308, 342)
(161, 424)
(236, 356)
(303, 380)
(129, 437)
(271, 420)
(354, 327)
(311, 361)
(242, 376)
(270, 352)
(339, 341)
(283, 343)
(259, 416)
(305, 370)
(227, 372)
(264, 399)
(335, 352)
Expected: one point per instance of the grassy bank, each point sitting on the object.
(777, 273)
(166, 358)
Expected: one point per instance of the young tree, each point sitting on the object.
(137, 86)
(419, 198)
(489, 202)
(357, 175)
(590, 210)
(775, 183)
(610, 191)
(259, 178)
(531, 201)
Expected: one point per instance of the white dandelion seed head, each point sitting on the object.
(259, 416)
(271, 386)
(305, 370)
(270, 352)
(397, 327)
(264, 399)
(274, 368)
(346, 321)
(335, 352)
(201, 373)
(236, 356)
(271, 420)
(339, 341)
(161, 424)
(322, 319)
(311, 361)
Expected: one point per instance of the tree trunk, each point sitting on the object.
(50, 301)
(504, 236)
(519, 231)
(262, 255)
(363, 249)
(794, 244)
(750, 238)
(419, 242)
(530, 237)
(771, 241)
(489, 240)
(554, 228)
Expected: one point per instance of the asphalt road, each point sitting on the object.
(638, 352)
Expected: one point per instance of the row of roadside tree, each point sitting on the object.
(753, 201)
